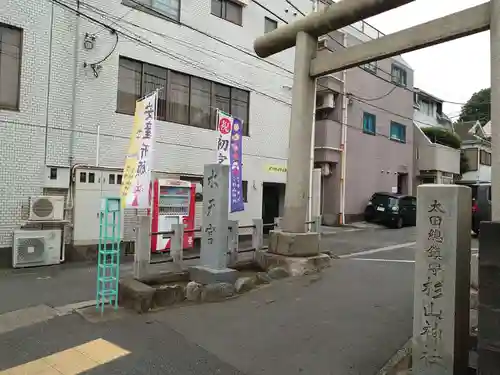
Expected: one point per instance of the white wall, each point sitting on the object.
(46, 106)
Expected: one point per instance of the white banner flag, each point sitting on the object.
(224, 128)
(136, 186)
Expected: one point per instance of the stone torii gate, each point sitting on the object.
(311, 64)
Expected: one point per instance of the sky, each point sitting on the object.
(451, 71)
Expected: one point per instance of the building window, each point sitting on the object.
(244, 187)
(471, 154)
(183, 99)
(370, 67)
(399, 75)
(10, 66)
(178, 98)
(426, 107)
(484, 157)
(369, 123)
(270, 25)
(398, 132)
(169, 9)
(228, 10)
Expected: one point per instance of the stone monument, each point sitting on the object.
(442, 276)
(215, 228)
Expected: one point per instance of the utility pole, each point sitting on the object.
(495, 109)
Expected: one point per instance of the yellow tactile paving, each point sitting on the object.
(71, 361)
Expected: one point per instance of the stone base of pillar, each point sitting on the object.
(294, 244)
(489, 299)
(206, 275)
(295, 266)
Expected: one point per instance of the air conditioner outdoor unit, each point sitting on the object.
(36, 248)
(46, 208)
(326, 101)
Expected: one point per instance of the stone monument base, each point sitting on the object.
(294, 244)
(295, 266)
(206, 275)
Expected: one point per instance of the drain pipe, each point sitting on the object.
(47, 107)
(76, 54)
(343, 144)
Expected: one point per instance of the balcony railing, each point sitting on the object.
(361, 26)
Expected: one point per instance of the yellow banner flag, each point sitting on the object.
(130, 170)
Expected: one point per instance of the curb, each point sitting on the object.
(396, 359)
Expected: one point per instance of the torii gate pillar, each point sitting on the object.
(293, 239)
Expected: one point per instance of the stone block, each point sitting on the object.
(193, 291)
(295, 266)
(488, 327)
(244, 284)
(488, 243)
(217, 292)
(206, 275)
(166, 295)
(490, 286)
(166, 277)
(488, 361)
(278, 273)
(294, 244)
(262, 278)
(135, 295)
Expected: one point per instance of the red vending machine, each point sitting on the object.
(173, 203)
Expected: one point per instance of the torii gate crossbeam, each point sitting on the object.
(454, 26)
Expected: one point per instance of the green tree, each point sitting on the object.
(477, 107)
(443, 137)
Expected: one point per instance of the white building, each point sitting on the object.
(68, 84)
(428, 110)
(476, 146)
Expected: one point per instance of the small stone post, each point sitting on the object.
(277, 224)
(488, 346)
(177, 245)
(233, 239)
(258, 234)
(142, 255)
(214, 236)
(442, 276)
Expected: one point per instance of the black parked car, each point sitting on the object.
(392, 210)
(481, 202)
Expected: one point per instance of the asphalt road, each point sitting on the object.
(71, 283)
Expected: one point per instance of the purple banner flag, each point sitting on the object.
(236, 177)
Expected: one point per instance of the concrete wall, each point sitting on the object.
(435, 157)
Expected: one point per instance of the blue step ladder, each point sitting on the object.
(108, 257)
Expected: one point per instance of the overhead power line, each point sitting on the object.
(137, 39)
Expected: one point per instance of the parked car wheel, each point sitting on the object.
(399, 223)
(369, 214)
